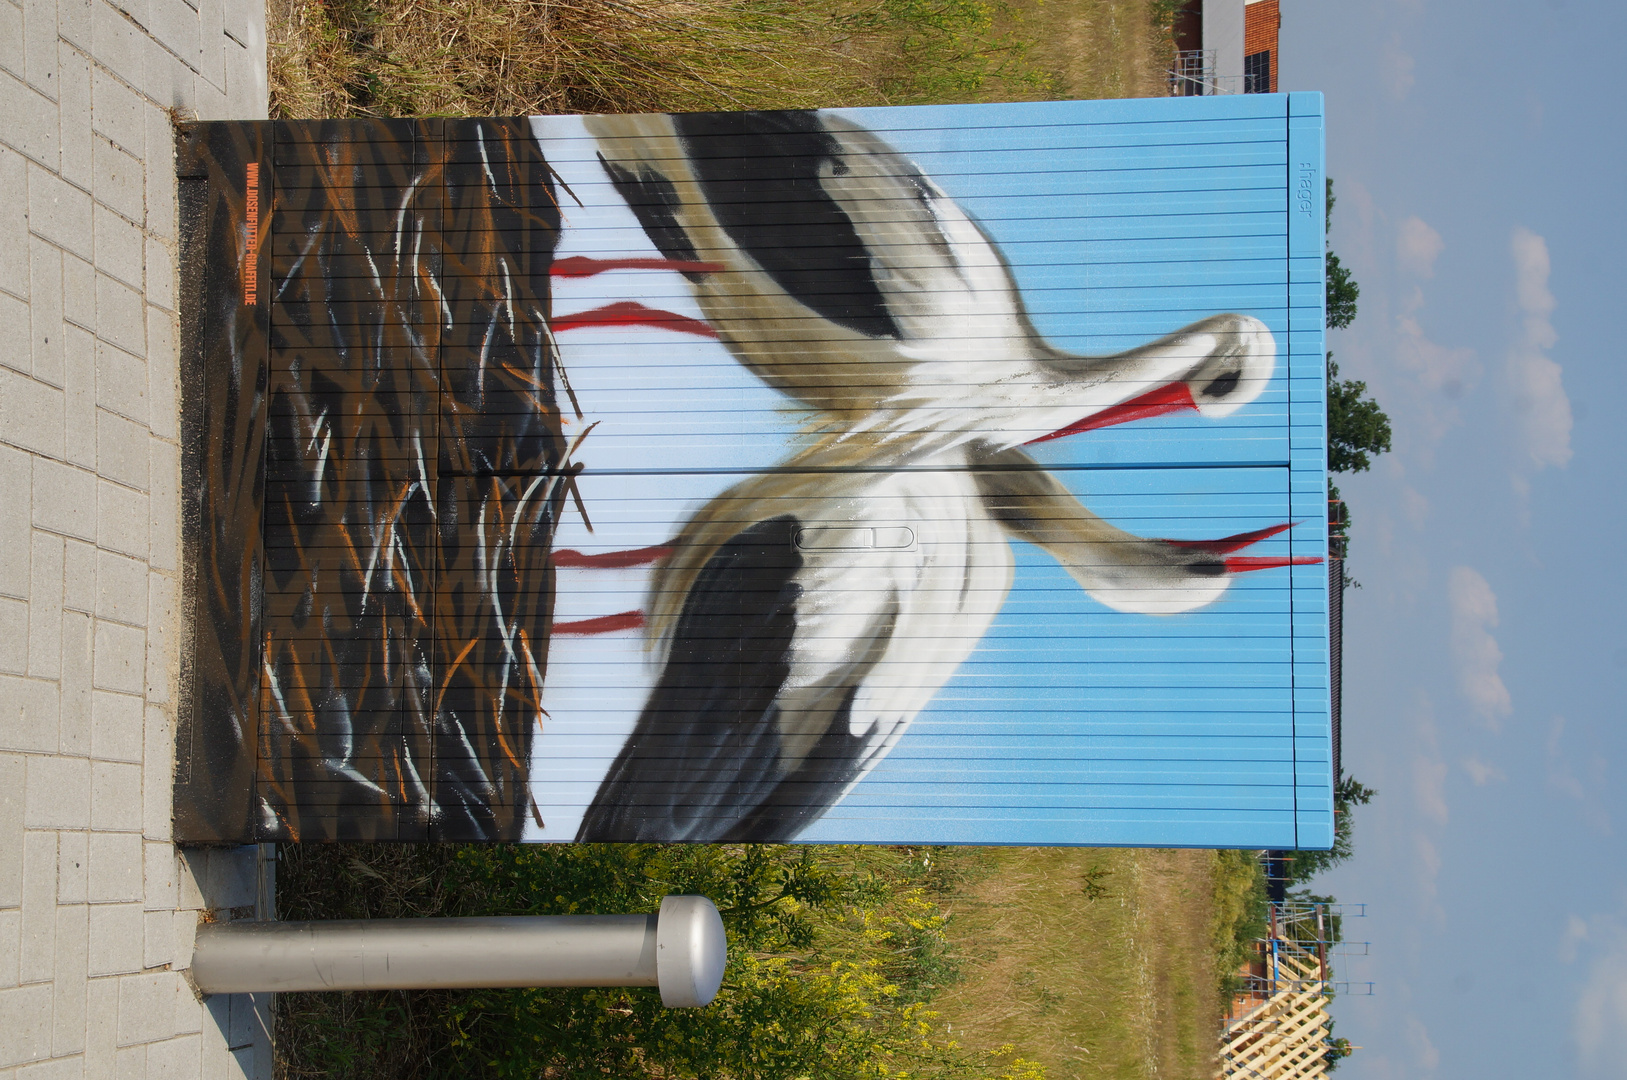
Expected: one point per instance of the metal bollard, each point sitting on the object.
(681, 950)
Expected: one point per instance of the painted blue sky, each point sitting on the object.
(1478, 154)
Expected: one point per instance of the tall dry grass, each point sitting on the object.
(515, 57)
(1104, 48)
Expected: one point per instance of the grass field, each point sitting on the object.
(1089, 962)
(1095, 962)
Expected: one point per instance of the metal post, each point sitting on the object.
(1321, 943)
(681, 950)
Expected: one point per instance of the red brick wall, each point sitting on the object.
(1260, 23)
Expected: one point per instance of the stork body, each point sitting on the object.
(850, 282)
(801, 630)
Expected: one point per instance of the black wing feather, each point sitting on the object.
(760, 173)
(705, 753)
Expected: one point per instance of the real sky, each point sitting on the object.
(1477, 152)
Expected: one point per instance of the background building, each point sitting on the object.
(1226, 47)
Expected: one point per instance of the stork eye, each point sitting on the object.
(1223, 385)
(1208, 569)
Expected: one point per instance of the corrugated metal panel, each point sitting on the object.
(783, 486)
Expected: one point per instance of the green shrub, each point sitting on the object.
(1242, 913)
(834, 956)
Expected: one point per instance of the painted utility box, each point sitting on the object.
(909, 475)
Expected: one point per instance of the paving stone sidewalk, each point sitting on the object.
(97, 908)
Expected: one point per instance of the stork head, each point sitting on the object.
(1219, 365)
(1238, 368)
(1168, 577)
(1126, 572)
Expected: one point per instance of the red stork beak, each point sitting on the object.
(1242, 564)
(1176, 397)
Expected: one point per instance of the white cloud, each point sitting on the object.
(1417, 246)
(1396, 69)
(1482, 772)
(1440, 370)
(1601, 1016)
(1601, 1006)
(1429, 788)
(1583, 776)
(1429, 867)
(1475, 654)
(1424, 379)
(1416, 506)
(1560, 775)
(1531, 269)
(1575, 933)
(1428, 1058)
(1439, 367)
(1429, 797)
(1542, 409)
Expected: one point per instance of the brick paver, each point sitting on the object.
(97, 907)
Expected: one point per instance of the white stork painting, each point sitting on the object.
(809, 406)
(923, 474)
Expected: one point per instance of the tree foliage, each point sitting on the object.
(1358, 430)
(1357, 427)
(1338, 1049)
(1343, 292)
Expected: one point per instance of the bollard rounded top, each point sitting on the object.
(690, 951)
